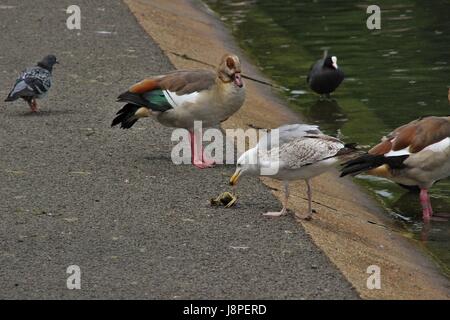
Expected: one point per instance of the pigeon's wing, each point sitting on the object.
(38, 80)
(33, 82)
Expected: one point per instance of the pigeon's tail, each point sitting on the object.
(369, 161)
(10, 98)
(129, 114)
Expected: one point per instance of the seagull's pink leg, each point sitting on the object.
(427, 210)
(197, 156)
(285, 203)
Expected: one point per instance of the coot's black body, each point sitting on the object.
(325, 76)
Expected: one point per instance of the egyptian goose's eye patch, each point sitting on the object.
(230, 63)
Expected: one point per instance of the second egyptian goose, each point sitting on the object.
(416, 154)
(179, 98)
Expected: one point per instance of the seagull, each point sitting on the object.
(302, 152)
(34, 83)
(416, 154)
(325, 76)
(181, 97)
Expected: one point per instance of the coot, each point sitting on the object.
(325, 76)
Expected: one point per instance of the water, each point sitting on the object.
(393, 76)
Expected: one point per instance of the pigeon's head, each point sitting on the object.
(246, 164)
(230, 70)
(48, 62)
(331, 62)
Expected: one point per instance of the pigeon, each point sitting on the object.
(182, 97)
(34, 83)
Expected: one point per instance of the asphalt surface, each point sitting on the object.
(74, 191)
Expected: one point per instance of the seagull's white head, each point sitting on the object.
(246, 164)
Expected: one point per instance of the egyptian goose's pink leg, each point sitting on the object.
(197, 155)
(426, 205)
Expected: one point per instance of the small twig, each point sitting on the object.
(186, 57)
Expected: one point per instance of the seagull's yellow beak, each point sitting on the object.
(235, 177)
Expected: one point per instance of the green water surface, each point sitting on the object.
(393, 76)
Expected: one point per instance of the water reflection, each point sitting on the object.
(327, 113)
(408, 207)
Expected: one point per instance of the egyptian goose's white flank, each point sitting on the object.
(416, 154)
(181, 97)
(303, 152)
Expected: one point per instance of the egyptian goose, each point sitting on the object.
(324, 76)
(34, 83)
(179, 98)
(416, 154)
(302, 152)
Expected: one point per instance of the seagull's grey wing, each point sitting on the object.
(307, 150)
(287, 133)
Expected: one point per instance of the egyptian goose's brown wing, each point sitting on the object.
(180, 82)
(188, 81)
(415, 136)
(162, 93)
(403, 142)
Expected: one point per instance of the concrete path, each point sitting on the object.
(75, 191)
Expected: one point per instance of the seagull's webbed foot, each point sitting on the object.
(275, 214)
(306, 217)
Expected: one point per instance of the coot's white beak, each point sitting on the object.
(334, 60)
